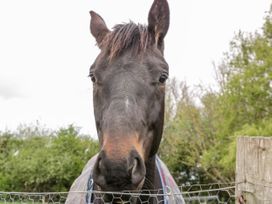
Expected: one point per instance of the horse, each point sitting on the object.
(128, 77)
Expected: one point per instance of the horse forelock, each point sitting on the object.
(126, 36)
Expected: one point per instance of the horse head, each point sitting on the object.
(128, 78)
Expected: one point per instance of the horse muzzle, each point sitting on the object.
(119, 167)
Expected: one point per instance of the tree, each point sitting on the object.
(199, 143)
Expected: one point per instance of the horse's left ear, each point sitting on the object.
(158, 21)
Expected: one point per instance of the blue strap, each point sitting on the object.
(89, 190)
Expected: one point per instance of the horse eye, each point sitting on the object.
(91, 75)
(163, 77)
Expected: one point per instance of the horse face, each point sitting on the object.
(128, 96)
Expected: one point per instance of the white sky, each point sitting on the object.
(46, 51)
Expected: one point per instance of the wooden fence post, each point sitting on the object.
(254, 170)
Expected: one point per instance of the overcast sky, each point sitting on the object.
(46, 51)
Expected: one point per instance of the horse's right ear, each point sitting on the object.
(98, 27)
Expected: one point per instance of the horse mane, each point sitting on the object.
(125, 36)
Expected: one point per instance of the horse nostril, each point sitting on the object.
(134, 166)
(98, 176)
(138, 171)
(99, 165)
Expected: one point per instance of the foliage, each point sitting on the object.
(199, 143)
(38, 160)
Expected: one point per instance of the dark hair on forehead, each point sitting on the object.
(126, 36)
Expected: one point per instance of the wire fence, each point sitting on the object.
(217, 193)
(209, 193)
(193, 194)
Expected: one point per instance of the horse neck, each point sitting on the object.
(152, 180)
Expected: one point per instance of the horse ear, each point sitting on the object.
(98, 27)
(158, 21)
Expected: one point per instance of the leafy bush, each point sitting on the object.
(39, 161)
